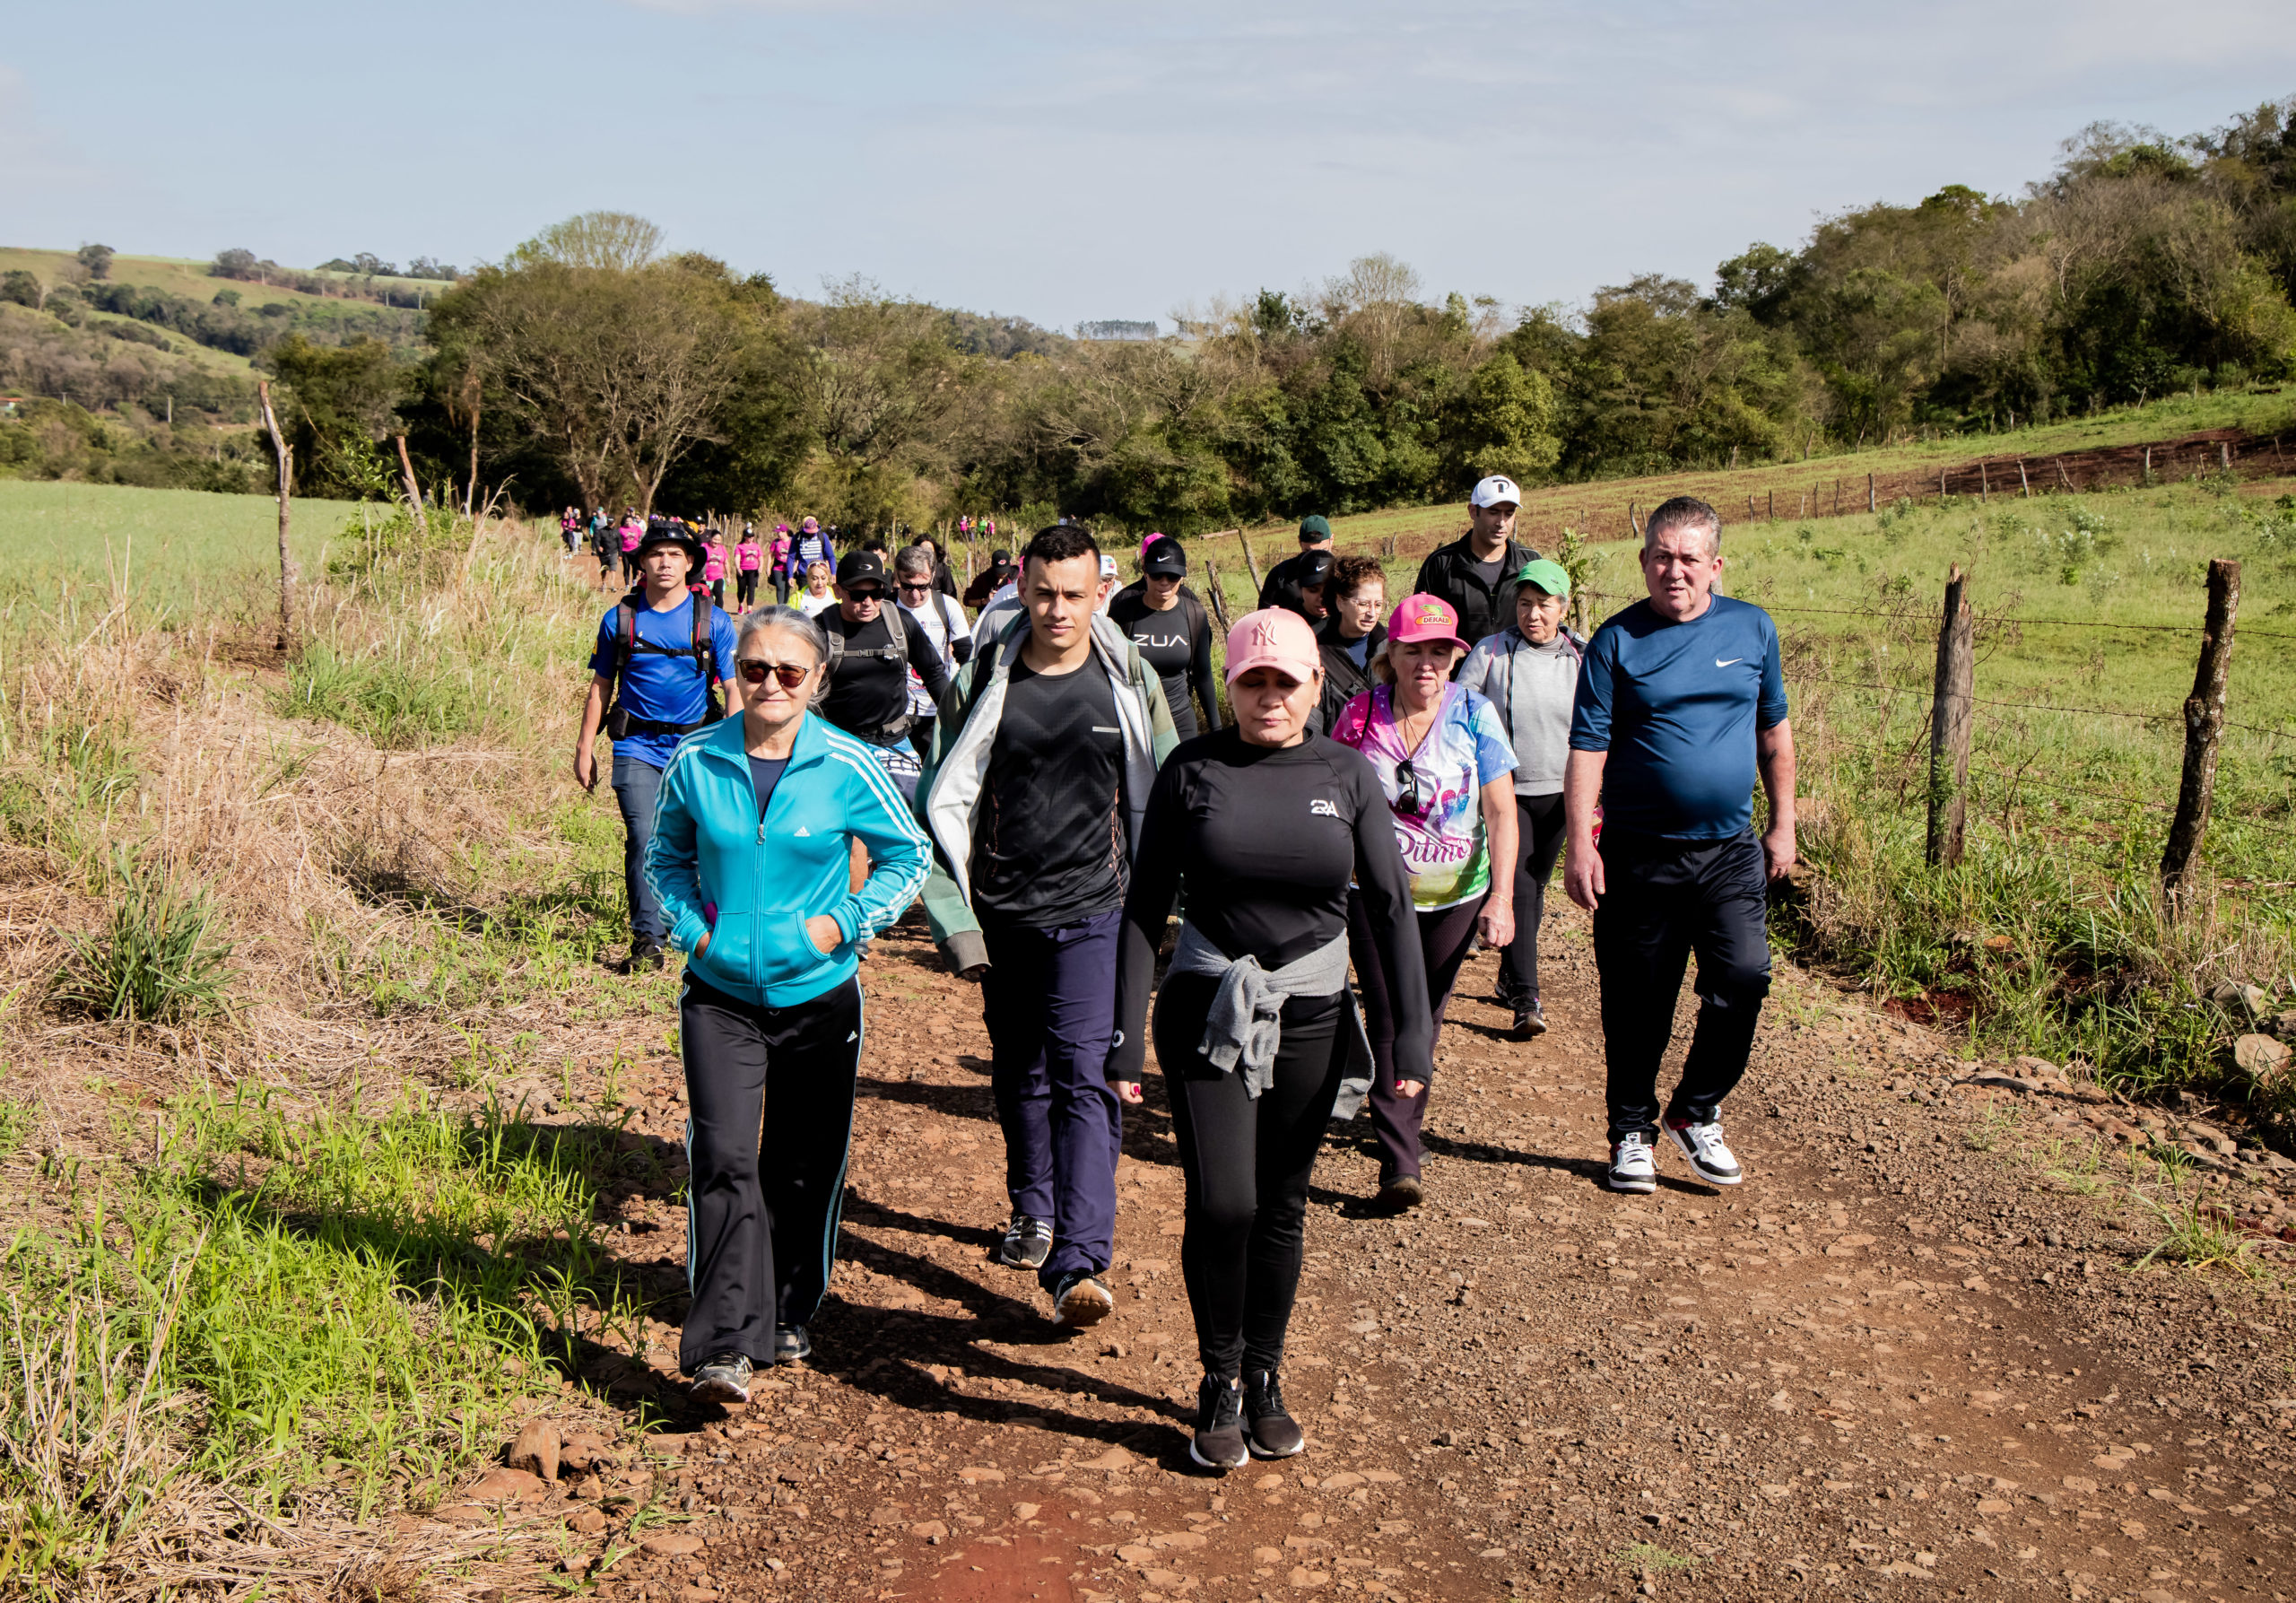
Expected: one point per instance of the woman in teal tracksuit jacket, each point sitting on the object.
(751, 859)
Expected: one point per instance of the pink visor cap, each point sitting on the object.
(1424, 617)
(1274, 637)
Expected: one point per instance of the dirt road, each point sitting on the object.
(1901, 1357)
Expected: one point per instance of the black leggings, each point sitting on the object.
(745, 588)
(1247, 1162)
(1538, 829)
(1444, 935)
(761, 1214)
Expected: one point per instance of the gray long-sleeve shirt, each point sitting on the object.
(1531, 688)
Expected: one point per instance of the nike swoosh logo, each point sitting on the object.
(1721, 662)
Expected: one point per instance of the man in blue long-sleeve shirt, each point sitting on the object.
(1681, 704)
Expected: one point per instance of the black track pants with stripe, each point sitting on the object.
(770, 1095)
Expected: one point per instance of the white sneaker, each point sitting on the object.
(1631, 1168)
(1709, 1155)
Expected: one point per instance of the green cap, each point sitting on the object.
(1315, 527)
(1548, 576)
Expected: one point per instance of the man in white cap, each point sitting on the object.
(1475, 573)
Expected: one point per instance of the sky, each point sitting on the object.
(1069, 161)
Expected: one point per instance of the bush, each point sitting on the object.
(158, 959)
(392, 703)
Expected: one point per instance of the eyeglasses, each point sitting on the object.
(754, 670)
(1406, 786)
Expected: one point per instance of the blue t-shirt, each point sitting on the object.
(658, 688)
(1676, 706)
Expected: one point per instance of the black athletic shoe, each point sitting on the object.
(644, 956)
(1274, 1434)
(1027, 1243)
(791, 1344)
(1080, 1298)
(1400, 1192)
(1530, 1020)
(725, 1379)
(1219, 1442)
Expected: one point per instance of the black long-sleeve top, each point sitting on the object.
(1265, 840)
(1177, 643)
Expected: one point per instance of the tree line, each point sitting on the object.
(591, 366)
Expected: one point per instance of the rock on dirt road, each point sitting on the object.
(1915, 1353)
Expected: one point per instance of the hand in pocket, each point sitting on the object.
(824, 932)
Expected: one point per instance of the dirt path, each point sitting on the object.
(1899, 1356)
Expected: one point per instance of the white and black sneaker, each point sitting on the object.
(1027, 1243)
(1711, 1157)
(1631, 1165)
(1219, 1442)
(725, 1379)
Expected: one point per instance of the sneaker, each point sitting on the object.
(1398, 1192)
(1274, 1433)
(1631, 1167)
(1530, 1020)
(1027, 1243)
(644, 956)
(791, 1344)
(1080, 1298)
(1219, 1440)
(1709, 1155)
(725, 1379)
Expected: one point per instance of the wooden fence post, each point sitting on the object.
(414, 491)
(2024, 481)
(1941, 482)
(2203, 723)
(1773, 506)
(1984, 486)
(286, 456)
(1871, 504)
(1951, 720)
(1219, 605)
(1749, 507)
(1251, 565)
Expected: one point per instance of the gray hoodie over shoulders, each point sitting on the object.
(1532, 687)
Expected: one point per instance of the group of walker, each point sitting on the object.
(1040, 782)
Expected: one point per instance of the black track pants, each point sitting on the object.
(1247, 1164)
(1538, 828)
(1662, 902)
(761, 1213)
(1444, 935)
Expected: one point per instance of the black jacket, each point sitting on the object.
(1343, 680)
(1483, 609)
(1280, 588)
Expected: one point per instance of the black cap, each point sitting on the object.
(998, 559)
(1165, 557)
(1315, 566)
(860, 567)
(670, 533)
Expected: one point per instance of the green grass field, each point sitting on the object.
(168, 540)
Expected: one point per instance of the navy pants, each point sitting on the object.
(637, 786)
(770, 1126)
(1050, 1001)
(1663, 901)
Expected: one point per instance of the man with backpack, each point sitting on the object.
(657, 672)
(1039, 772)
(872, 648)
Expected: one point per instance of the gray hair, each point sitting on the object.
(1683, 511)
(914, 559)
(783, 620)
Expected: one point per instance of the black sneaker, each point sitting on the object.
(1400, 1192)
(644, 956)
(791, 1344)
(1027, 1243)
(1274, 1434)
(1080, 1298)
(725, 1379)
(1530, 1020)
(1219, 1442)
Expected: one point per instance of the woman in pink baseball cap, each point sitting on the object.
(1444, 762)
(1259, 827)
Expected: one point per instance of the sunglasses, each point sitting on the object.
(915, 584)
(754, 670)
(864, 593)
(1407, 786)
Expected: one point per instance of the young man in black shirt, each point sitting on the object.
(865, 693)
(1475, 573)
(1286, 579)
(1040, 763)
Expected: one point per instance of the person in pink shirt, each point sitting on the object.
(632, 528)
(713, 566)
(747, 556)
(777, 557)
